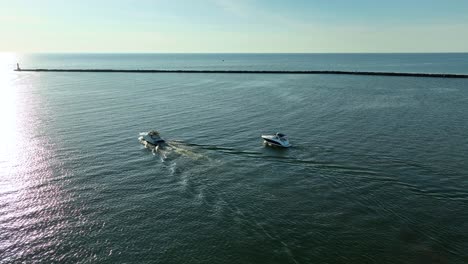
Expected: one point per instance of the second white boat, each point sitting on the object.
(278, 140)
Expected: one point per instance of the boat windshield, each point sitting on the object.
(153, 133)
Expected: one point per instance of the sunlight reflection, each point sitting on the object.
(28, 199)
(8, 119)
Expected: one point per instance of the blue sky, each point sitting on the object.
(234, 26)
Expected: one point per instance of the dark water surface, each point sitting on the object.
(377, 172)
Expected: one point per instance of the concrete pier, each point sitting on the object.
(396, 74)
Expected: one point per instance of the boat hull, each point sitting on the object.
(151, 141)
(274, 141)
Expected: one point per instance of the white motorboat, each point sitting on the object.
(151, 137)
(278, 139)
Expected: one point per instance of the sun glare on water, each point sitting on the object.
(28, 200)
(8, 120)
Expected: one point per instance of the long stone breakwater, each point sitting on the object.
(399, 74)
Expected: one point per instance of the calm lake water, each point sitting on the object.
(377, 172)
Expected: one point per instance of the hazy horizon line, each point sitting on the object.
(141, 52)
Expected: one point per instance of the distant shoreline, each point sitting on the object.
(369, 73)
(240, 53)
